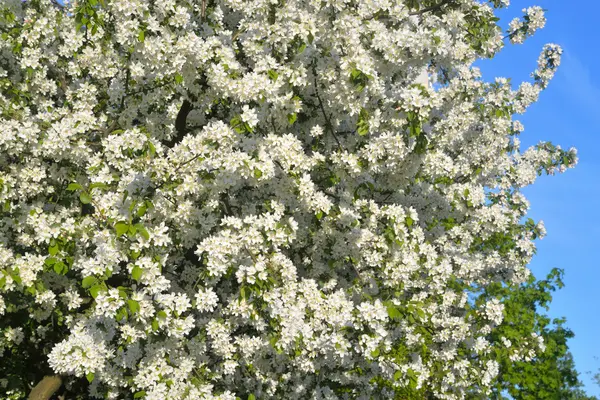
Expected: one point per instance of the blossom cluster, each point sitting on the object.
(262, 199)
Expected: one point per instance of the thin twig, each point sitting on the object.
(187, 162)
(62, 184)
(327, 120)
(149, 87)
(387, 197)
(227, 206)
(58, 5)
(127, 76)
(432, 8)
(168, 198)
(111, 127)
(251, 255)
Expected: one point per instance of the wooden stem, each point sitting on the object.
(45, 388)
(180, 123)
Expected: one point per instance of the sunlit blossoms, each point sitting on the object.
(262, 199)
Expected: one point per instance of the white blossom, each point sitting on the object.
(203, 200)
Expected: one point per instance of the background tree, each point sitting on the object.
(549, 374)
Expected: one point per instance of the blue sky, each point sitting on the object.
(568, 114)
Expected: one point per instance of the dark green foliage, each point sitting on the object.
(552, 374)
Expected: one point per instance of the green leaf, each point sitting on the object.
(121, 314)
(95, 290)
(393, 312)
(90, 377)
(142, 230)
(251, 397)
(121, 228)
(132, 206)
(15, 276)
(50, 261)
(292, 118)
(136, 273)
(132, 231)
(74, 186)
(362, 127)
(141, 36)
(257, 173)
(152, 148)
(161, 314)
(409, 221)
(85, 198)
(319, 215)
(122, 292)
(139, 394)
(61, 268)
(99, 185)
(375, 353)
(134, 306)
(154, 325)
(272, 74)
(53, 249)
(88, 282)
(359, 79)
(397, 375)
(125, 194)
(141, 211)
(178, 78)
(237, 124)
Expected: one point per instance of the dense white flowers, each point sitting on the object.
(80, 354)
(206, 300)
(520, 29)
(293, 199)
(14, 335)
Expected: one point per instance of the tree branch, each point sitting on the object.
(180, 123)
(57, 5)
(197, 156)
(127, 76)
(431, 8)
(45, 388)
(328, 124)
(185, 109)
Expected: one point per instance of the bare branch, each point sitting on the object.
(328, 123)
(431, 8)
(180, 123)
(58, 5)
(45, 388)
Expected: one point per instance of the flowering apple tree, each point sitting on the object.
(260, 199)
